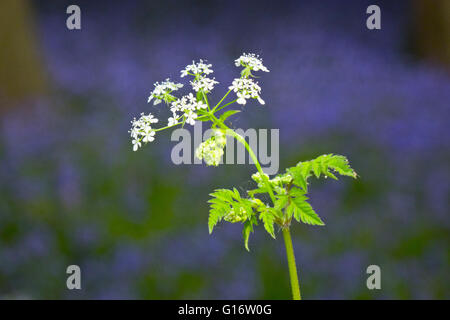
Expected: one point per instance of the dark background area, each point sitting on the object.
(73, 192)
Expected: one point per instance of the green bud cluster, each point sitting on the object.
(211, 151)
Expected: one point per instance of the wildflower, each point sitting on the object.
(172, 120)
(190, 117)
(162, 91)
(245, 89)
(197, 69)
(203, 84)
(187, 105)
(142, 131)
(251, 62)
(136, 144)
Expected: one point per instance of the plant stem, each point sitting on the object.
(295, 286)
(218, 104)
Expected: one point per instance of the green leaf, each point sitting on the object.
(248, 228)
(316, 168)
(227, 114)
(281, 202)
(340, 164)
(268, 219)
(219, 205)
(251, 193)
(298, 177)
(307, 214)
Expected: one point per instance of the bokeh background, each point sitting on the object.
(73, 192)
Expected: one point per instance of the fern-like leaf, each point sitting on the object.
(268, 219)
(304, 212)
(220, 206)
(322, 165)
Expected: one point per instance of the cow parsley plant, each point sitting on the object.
(287, 191)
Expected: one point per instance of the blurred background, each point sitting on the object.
(73, 192)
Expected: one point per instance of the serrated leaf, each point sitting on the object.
(298, 178)
(236, 194)
(281, 202)
(316, 168)
(307, 213)
(268, 219)
(340, 164)
(290, 211)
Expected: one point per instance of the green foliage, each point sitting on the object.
(323, 165)
(268, 218)
(227, 114)
(290, 200)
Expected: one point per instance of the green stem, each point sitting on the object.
(225, 105)
(218, 104)
(250, 152)
(295, 286)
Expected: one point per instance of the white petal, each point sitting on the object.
(261, 100)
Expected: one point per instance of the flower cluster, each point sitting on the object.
(142, 131)
(197, 69)
(190, 107)
(211, 151)
(203, 84)
(187, 105)
(250, 61)
(162, 91)
(245, 89)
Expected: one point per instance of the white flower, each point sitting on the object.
(187, 105)
(136, 144)
(190, 117)
(251, 61)
(197, 69)
(172, 120)
(246, 89)
(162, 91)
(149, 135)
(142, 131)
(205, 84)
(241, 97)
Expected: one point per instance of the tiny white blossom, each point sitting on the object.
(205, 84)
(190, 117)
(246, 89)
(172, 120)
(242, 96)
(197, 69)
(136, 144)
(251, 61)
(149, 134)
(142, 131)
(187, 105)
(162, 91)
